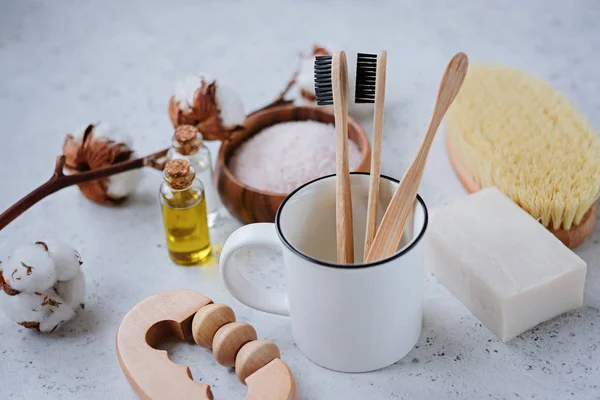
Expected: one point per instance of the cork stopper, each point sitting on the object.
(179, 174)
(186, 139)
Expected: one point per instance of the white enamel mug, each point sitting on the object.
(349, 318)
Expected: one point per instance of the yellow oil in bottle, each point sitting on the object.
(186, 224)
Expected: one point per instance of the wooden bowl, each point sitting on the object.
(251, 205)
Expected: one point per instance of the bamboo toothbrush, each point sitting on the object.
(370, 88)
(390, 231)
(331, 85)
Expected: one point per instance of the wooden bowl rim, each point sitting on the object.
(365, 154)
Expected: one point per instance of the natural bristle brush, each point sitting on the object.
(370, 88)
(331, 85)
(512, 130)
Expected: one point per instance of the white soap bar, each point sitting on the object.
(502, 264)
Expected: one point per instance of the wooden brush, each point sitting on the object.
(537, 148)
(370, 88)
(331, 85)
(390, 231)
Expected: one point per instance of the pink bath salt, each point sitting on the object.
(284, 156)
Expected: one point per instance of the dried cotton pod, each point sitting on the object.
(97, 146)
(31, 292)
(214, 109)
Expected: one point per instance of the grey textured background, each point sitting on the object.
(67, 63)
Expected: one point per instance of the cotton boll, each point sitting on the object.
(30, 269)
(73, 291)
(45, 311)
(186, 89)
(78, 134)
(214, 109)
(66, 259)
(57, 318)
(123, 184)
(30, 294)
(106, 131)
(103, 131)
(103, 146)
(59, 311)
(231, 106)
(24, 307)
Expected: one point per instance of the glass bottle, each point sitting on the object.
(188, 144)
(184, 214)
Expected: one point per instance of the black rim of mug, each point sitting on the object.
(349, 266)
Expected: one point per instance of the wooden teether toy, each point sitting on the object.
(185, 314)
(229, 339)
(207, 322)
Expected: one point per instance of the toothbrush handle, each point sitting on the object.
(390, 231)
(344, 228)
(375, 170)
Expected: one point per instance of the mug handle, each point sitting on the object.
(258, 234)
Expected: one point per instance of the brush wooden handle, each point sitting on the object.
(343, 199)
(389, 233)
(376, 151)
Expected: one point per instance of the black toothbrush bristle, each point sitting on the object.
(366, 75)
(323, 85)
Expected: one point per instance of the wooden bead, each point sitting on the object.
(208, 320)
(229, 339)
(273, 381)
(253, 356)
